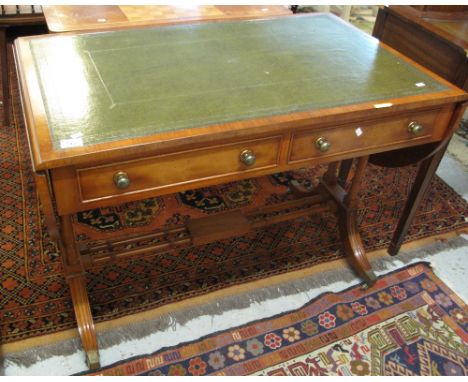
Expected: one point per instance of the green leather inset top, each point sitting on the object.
(107, 86)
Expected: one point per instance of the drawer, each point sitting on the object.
(370, 136)
(187, 167)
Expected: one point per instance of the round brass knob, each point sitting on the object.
(247, 157)
(415, 127)
(322, 144)
(121, 180)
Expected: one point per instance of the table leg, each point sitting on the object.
(5, 77)
(347, 218)
(76, 278)
(426, 172)
(348, 226)
(345, 168)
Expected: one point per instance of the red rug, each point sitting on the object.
(409, 323)
(34, 297)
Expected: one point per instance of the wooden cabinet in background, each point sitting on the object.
(435, 36)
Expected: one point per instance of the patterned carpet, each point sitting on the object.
(34, 297)
(410, 323)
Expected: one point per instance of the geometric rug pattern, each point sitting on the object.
(408, 323)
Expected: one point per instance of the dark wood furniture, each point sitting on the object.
(435, 36)
(117, 116)
(22, 18)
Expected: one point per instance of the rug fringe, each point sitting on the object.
(406, 257)
(142, 329)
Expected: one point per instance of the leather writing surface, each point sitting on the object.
(108, 86)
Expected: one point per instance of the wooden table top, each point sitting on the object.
(66, 18)
(97, 91)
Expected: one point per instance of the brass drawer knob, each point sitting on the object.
(121, 180)
(415, 127)
(247, 157)
(322, 144)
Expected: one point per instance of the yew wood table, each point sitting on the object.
(119, 116)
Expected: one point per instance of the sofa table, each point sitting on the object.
(123, 115)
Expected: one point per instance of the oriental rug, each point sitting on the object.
(34, 297)
(409, 323)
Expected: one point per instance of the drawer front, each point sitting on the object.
(372, 136)
(186, 167)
